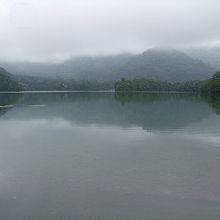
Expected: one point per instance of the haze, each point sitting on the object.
(53, 30)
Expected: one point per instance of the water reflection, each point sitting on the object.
(152, 112)
(214, 102)
(87, 156)
(8, 101)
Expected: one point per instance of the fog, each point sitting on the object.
(53, 30)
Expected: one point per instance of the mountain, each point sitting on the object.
(7, 81)
(210, 55)
(95, 68)
(170, 65)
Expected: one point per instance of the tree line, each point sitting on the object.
(210, 86)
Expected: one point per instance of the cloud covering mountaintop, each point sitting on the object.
(51, 30)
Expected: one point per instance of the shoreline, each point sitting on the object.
(96, 91)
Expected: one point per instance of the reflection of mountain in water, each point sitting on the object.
(149, 111)
(7, 101)
(214, 102)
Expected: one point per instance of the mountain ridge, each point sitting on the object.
(168, 65)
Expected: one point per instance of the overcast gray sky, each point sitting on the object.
(40, 30)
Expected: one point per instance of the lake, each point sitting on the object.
(107, 156)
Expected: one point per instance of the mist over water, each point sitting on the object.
(86, 150)
(109, 156)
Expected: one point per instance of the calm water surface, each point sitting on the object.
(101, 156)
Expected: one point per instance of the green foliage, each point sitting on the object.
(156, 85)
(211, 86)
(7, 82)
(214, 84)
(31, 83)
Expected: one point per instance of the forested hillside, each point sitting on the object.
(7, 82)
(207, 87)
(167, 65)
(34, 83)
(209, 55)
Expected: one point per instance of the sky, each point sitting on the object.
(51, 30)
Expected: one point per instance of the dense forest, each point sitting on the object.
(31, 83)
(211, 86)
(7, 81)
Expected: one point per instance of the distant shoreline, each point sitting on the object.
(58, 91)
(97, 91)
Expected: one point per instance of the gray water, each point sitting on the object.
(106, 156)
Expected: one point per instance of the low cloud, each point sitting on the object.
(40, 30)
